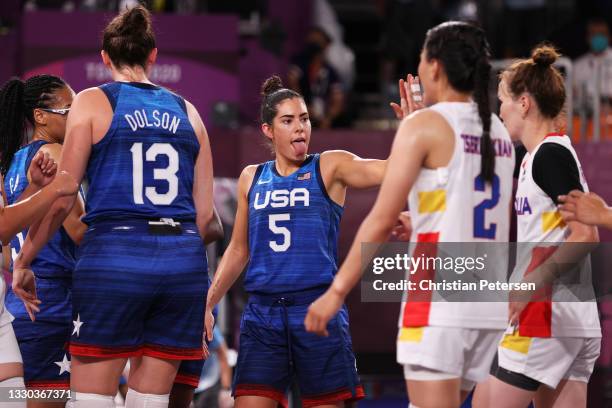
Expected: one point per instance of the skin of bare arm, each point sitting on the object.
(203, 173)
(72, 224)
(237, 253)
(412, 149)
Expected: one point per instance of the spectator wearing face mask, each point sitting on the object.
(311, 75)
(597, 62)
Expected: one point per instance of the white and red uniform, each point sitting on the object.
(555, 339)
(453, 204)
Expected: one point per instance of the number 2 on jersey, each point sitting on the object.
(480, 229)
(168, 174)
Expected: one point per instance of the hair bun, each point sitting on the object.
(544, 56)
(271, 85)
(135, 20)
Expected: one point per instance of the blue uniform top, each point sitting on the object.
(143, 167)
(293, 230)
(57, 258)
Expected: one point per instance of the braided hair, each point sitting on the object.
(464, 52)
(18, 99)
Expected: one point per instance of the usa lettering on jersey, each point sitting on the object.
(282, 198)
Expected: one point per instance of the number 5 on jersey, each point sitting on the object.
(278, 230)
(167, 174)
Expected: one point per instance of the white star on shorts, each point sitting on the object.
(64, 365)
(77, 325)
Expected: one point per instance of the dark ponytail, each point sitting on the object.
(481, 97)
(464, 52)
(18, 99)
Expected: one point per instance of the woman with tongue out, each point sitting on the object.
(285, 233)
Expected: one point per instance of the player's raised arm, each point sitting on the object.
(412, 143)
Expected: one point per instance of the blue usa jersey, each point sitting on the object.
(293, 230)
(57, 258)
(143, 167)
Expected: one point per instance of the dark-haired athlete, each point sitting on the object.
(454, 161)
(286, 234)
(140, 281)
(44, 102)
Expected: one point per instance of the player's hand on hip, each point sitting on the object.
(403, 228)
(321, 311)
(587, 208)
(24, 286)
(411, 97)
(44, 169)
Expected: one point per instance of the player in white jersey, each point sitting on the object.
(456, 160)
(548, 352)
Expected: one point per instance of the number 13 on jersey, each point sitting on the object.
(167, 174)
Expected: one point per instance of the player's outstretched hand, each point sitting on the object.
(44, 169)
(403, 228)
(24, 286)
(587, 208)
(321, 311)
(411, 97)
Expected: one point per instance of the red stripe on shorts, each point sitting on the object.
(172, 353)
(90, 350)
(258, 390)
(187, 379)
(332, 398)
(63, 384)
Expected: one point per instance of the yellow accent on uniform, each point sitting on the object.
(551, 220)
(412, 334)
(516, 342)
(432, 201)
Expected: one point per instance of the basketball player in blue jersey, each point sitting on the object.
(140, 281)
(45, 101)
(286, 230)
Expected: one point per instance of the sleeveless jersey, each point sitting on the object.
(453, 204)
(143, 167)
(540, 231)
(293, 230)
(57, 258)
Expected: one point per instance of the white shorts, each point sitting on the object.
(549, 360)
(442, 353)
(8, 342)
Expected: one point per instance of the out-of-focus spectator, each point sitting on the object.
(597, 62)
(319, 83)
(524, 26)
(338, 55)
(65, 5)
(405, 23)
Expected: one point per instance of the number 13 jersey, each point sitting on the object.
(144, 165)
(453, 204)
(293, 230)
